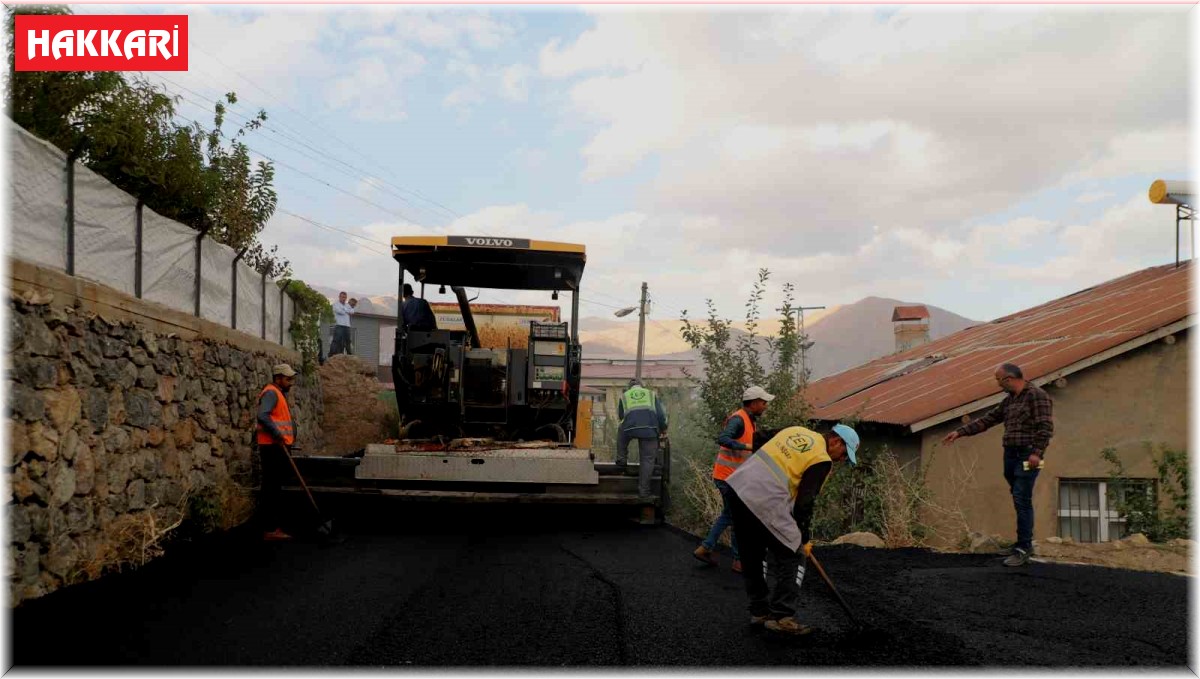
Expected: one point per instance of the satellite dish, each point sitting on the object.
(1171, 192)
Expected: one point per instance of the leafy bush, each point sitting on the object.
(1158, 509)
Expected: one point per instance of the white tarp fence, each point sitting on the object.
(273, 312)
(106, 243)
(37, 185)
(249, 300)
(289, 308)
(105, 231)
(216, 280)
(168, 262)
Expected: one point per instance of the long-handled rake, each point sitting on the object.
(325, 527)
(859, 626)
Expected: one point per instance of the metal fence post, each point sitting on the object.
(199, 279)
(71, 206)
(233, 303)
(263, 306)
(137, 256)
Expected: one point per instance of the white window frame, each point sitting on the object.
(1103, 513)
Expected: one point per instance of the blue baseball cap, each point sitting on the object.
(851, 438)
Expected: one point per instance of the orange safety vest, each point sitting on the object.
(728, 460)
(281, 415)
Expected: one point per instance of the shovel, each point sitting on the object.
(325, 527)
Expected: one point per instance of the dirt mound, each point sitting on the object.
(1134, 553)
(354, 414)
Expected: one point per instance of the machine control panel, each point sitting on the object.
(548, 348)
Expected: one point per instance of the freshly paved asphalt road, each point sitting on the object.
(438, 586)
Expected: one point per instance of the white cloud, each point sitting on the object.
(515, 82)
(369, 88)
(1094, 197)
(802, 128)
(1160, 152)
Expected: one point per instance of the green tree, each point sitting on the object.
(126, 131)
(731, 365)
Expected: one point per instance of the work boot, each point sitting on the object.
(705, 554)
(737, 565)
(1019, 557)
(276, 535)
(788, 625)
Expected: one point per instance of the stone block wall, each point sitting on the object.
(117, 425)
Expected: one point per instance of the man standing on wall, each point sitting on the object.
(642, 418)
(341, 328)
(1027, 414)
(736, 442)
(276, 432)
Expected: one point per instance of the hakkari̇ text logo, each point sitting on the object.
(101, 42)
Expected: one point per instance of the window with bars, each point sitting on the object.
(1087, 509)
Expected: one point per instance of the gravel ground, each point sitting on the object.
(445, 585)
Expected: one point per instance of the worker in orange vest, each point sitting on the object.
(276, 433)
(737, 443)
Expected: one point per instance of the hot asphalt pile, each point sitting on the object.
(439, 585)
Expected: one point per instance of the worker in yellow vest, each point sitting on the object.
(772, 500)
(736, 442)
(644, 419)
(276, 432)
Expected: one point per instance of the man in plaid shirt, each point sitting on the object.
(1027, 414)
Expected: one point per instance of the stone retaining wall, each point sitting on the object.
(126, 421)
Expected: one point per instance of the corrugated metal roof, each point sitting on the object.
(911, 386)
(910, 313)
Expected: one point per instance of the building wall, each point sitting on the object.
(365, 334)
(1125, 403)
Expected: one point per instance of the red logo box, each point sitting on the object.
(101, 42)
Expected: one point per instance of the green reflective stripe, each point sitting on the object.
(773, 466)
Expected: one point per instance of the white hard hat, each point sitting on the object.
(756, 392)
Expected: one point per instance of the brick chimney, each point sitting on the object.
(911, 325)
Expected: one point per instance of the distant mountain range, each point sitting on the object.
(843, 336)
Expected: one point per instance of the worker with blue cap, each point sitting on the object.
(774, 492)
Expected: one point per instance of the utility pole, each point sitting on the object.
(804, 343)
(641, 332)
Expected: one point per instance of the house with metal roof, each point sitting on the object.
(1114, 359)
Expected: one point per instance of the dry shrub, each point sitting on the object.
(901, 496)
(701, 499)
(909, 515)
(130, 540)
(235, 502)
(947, 520)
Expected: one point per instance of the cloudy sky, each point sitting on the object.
(982, 159)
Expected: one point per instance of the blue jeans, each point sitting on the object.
(724, 520)
(1021, 483)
